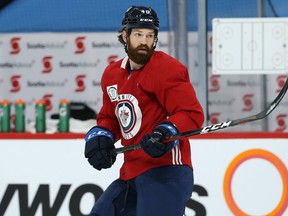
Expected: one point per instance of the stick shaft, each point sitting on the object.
(215, 127)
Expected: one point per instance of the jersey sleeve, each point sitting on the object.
(106, 116)
(177, 95)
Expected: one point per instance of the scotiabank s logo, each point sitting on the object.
(281, 81)
(214, 83)
(214, 118)
(112, 58)
(47, 65)
(15, 47)
(247, 101)
(80, 83)
(15, 83)
(281, 122)
(48, 103)
(80, 47)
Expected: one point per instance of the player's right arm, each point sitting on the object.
(100, 140)
(106, 117)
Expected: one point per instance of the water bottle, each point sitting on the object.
(20, 116)
(40, 125)
(5, 116)
(64, 115)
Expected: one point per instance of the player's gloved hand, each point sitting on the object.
(151, 143)
(99, 143)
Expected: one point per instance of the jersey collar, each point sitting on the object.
(124, 62)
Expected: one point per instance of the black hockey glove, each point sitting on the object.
(99, 143)
(151, 143)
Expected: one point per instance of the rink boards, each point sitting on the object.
(232, 176)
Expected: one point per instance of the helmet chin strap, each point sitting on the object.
(126, 47)
(155, 42)
(128, 32)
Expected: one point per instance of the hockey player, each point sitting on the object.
(146, 96)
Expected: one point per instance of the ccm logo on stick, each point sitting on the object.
(215, 127)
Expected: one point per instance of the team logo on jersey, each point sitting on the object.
(129, 115)
(126, 115)
(112, 91)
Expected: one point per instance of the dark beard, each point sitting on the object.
(139, 58)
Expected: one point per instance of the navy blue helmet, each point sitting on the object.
(140, 17)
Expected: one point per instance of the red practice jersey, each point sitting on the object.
(135, 103)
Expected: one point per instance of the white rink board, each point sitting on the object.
(256, 187)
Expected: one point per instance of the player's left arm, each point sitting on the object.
(177, 95)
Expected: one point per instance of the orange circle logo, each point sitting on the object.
(241, 158)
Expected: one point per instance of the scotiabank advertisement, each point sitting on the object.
(53, 66)
(232, 177)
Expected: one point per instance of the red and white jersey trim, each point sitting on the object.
(124, 62)
(176, 156)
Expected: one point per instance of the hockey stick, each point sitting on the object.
(215, 127)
